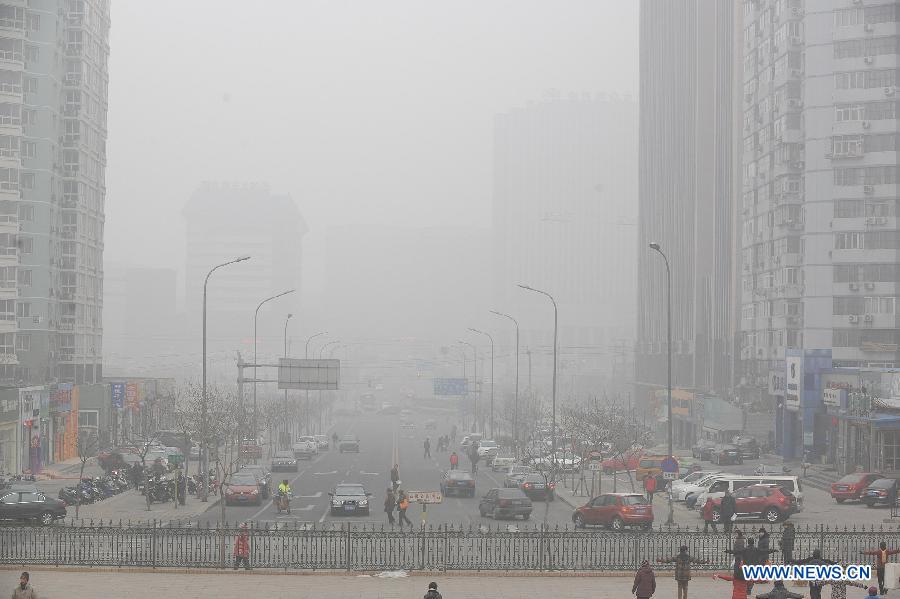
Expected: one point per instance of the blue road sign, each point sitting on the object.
(451, 386)
(669, 464)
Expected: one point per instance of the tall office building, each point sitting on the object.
(224, 221)
(820, 240)
(53, 104)
(689, 132)
(564, 221)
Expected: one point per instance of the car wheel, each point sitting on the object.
(869, 504)
(579, 521)
(648, 526)
(772, 515)
(617, 524)
(496, 514)
(839, 499)
(46, 518)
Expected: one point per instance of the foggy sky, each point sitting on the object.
(367, 112)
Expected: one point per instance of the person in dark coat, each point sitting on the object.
(763, 543)
(682, 563)
(432, 591)
(644, 581)
(390, 502)
(816, 559)
(787, 542)
(727, 508)
(780, 592)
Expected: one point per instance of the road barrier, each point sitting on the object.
(359, 548)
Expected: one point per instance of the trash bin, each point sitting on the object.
(891, 575)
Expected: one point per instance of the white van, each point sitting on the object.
(732, 483)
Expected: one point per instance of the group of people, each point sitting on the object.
(398, 501)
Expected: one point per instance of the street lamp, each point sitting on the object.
(516, 404)
(321, 356)
(474, 386)
(204, 492)
(255, 358)
(286, 427)
(555, 337)
(306, 355)
(656, 247)
(492, 375)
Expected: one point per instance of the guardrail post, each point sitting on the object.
(446, 546)
(153, 544)
(347, 551)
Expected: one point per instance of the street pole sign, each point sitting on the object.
(444, 386)
(425, 497)
(669, 467)
(311, 375)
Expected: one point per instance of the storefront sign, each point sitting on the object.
(117, 392)
(833, 397)
(61, 399)
(132, 397)
(793, 383)
(776, 382)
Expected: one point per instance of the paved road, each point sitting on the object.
(382, 444)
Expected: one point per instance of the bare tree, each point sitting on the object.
(87, 448)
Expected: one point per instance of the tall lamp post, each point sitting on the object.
(255, 357)
(306, 355)
(286, 426)
(655, 246)
(492, 375)
(474, 386)
(516, 403)
(555, 338)
(321, 356)
(204, 492)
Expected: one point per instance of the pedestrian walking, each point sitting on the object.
(402, 506)
(242, 548)
(839, 587)
(738, 584)
(682, 563)
(751, 555)
(395, 476)
(649, 487)
(882, 554)
(474, 457)
(739, 542)
(644, 581)
(763, 543)
(390, 502)
(787, 542)
(24, 590)
(780, 592)
(727, 508)
(454, 461)
(708, 516)
(427, 445)
(432, 592)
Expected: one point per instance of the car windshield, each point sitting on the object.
(306, 440)
(650, 463)
(511, 494)
(883, 483)
(350, 490)
(634, 500)
(349, 438)
(284, 454)
(852, 479)
(534, 478)
(244, 481)
(488, 444)
(694, 476)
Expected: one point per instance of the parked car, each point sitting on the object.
(30, 504)
(243, 488)
(732, 482)
(349, 500)
(284, 461)
(467, 441)
(323, 442)
(407, 424)
(615, 511)
(515, 474)
(766, 469)
(536, 487)
(505, 503)
(679, 488)
(251, 449)
(703, 449)
(305, 448)
(502, 463)
(349, 443)
(628, 460)
(458, 482)
(749, 447)
(263, 476)
(727, 454)
(760, 502)
(882, 491)
(853, 485)
(650, 465)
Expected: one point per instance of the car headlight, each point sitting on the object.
(363, 502)
(336, 502)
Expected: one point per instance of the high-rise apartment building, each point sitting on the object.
(820, 241)
(564, 221)
(53, 104)
(224, 221)
(689, 160)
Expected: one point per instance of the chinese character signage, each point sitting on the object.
(117, 391)
(61, 399)
(132, 397)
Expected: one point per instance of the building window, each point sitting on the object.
(26, 180)
(32, 53)
(29, 116)
(24, 278)
(31, 85)
(880, 305)
(26, 245)
(8, 310)
(23, 342)
(23, 309)
(90, 418)
(7, 343)
(847, 145)
(849, 241)
(890, 449)
(29, 149)
(34, 22)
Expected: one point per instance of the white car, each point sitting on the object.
(305, 448)
(488, 449)
(692, 483)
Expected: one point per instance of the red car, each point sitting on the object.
(615, 510)
(765, 502)
(243, 489)
(853, 485)
(628, 460)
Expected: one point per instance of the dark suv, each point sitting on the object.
(727, 454)
(748, 446)
(30, 504)
(502, 503)
(703, 449)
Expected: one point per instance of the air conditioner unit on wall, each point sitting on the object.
(853, 319)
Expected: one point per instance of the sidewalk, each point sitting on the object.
(52, 584)
(132, 506)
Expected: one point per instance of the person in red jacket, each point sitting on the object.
(650, 486)
(454, 461)
(881, 557)
(644, 581)
(738, 583)
(242, 548)
(708, 516)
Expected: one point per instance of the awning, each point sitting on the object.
(878, 421)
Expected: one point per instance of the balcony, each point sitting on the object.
(13, 26)
(10, 91)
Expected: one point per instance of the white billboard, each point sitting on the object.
(310, 375)
(793, 388)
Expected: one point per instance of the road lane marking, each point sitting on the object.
(322, 473)
(316, 495)
(369, 473)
